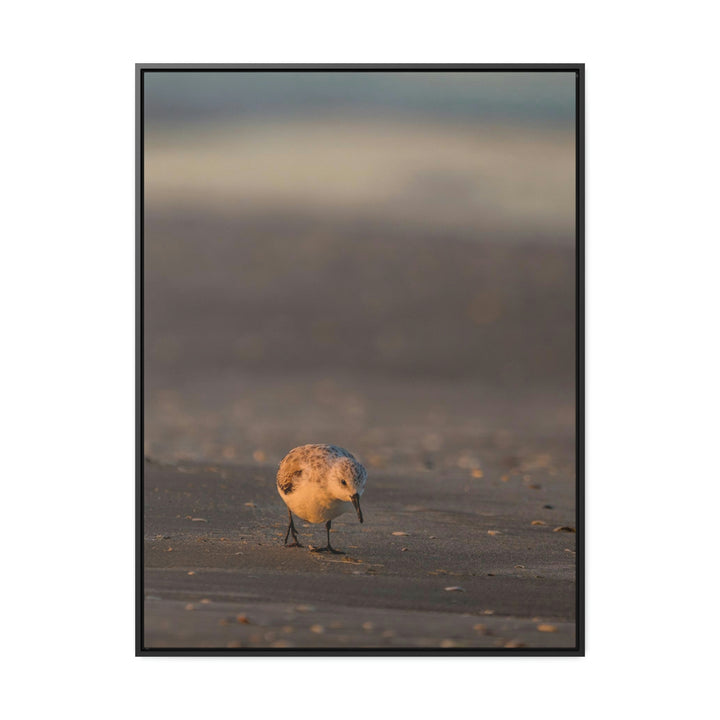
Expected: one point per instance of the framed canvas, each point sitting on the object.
(360, 359)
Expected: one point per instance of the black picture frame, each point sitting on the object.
(141, 70)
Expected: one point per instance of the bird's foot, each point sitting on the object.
(329, 549)
(295, 543)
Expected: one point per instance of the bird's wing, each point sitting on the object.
(289, 471)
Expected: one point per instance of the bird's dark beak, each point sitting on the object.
(356, 502)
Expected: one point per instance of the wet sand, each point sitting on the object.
(218, 576)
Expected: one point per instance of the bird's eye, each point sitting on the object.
(343, 482)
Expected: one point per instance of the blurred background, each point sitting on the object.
(384, 261)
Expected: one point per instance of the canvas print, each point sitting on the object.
(359, 360)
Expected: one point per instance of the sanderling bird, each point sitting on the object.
(318, 483)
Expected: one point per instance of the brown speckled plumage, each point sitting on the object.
(319, 482)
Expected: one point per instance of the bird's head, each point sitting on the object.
(347, 482)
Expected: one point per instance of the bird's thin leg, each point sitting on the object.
(291, 529)
(329, 547)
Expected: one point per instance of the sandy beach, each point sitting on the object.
(448, 374)
(446, 560)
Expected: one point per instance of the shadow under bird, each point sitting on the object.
(318, 483)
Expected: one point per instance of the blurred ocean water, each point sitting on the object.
(519, 97)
